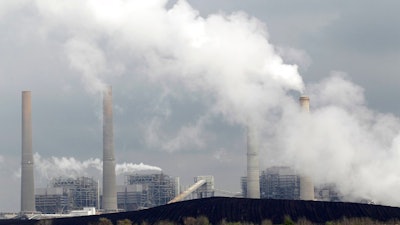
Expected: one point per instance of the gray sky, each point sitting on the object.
(187, 78)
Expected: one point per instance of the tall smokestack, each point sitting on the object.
(27, 176)
(306, 184)
(109, 177)
(253, 171)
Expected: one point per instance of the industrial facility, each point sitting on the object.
(109, 200)
(66, 194)
(277, 183)
(27, 175)
(146, 190)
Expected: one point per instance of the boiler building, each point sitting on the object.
(277, 183)
(66, 194)
(146, 190)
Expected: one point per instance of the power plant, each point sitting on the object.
(109, 176)
(65, 194)
(150, 190)
(306, 184)
(253, 170)
(27, 175)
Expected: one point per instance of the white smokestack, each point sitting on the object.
(306, 183)
(253, 171)
(27, 176)
(109, 176)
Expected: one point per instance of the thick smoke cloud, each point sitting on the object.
(227, 62)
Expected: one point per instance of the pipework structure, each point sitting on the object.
(147, 190)
(27, 175)
(306, 183)
(280, 182)
(253, 171)
(109, 176)
(65, 194)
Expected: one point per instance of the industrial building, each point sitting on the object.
(203, 187)
(146, 190)
(66, 194)
(277, 183)
(328, 192)
(207, 189)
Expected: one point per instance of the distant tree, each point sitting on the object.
(189, 221)
(303, 221)
(164, 222)
(266, 222)
(201, 220)
(288, 221)
(124, 222)
(102, 221)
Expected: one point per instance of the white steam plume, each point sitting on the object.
(228, 59)
(48, 168)
(341, 141)
(228, 56)
(126, 168)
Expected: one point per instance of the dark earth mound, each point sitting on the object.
(217, 209)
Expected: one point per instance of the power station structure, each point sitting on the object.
(66, 194)
(109, 200)
(203, 187)
(290, 186)
(280, 183)
(142, 191)
(253, 170)
(306, 183)
(27, 175)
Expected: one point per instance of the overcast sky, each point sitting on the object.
(187, 79)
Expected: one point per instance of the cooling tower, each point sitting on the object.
(253, 171)
(27, 177)
(109, 177)
(306, 184)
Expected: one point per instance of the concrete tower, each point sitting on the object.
(253, 171)
(306, 184)
(27, 176)
(109, 177)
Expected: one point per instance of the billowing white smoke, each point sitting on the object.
(48, 168)
(228, 61)
(342, 141)
(227, 56)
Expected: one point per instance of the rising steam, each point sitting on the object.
(48, 168)
(227, 60)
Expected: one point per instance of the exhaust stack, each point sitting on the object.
(27, 175)
(253, 171)
(109, 176)
(306, 183)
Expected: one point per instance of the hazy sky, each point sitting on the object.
(187, 79)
